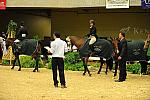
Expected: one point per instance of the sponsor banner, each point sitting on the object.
(145, 4)
(2, 4)
(110, 4)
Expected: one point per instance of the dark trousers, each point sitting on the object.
(58, 63)
(37, 59)
(122, 68)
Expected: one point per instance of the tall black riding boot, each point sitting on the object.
(91, 47)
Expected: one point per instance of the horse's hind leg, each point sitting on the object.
(106, 69)
(109, 64)
(19, 64)
(100, 68)
(88, 71)
(143, 67)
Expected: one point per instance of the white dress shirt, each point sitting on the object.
(58, 48)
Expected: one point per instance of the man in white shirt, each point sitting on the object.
(58, 48)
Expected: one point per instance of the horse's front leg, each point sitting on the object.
(19, 64)
(116, 67)
(16, 58)
(100, 68)
(14, 63)
(85, 60)
(84, 64)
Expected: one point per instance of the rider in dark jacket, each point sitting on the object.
(92, 35)
(22, 32)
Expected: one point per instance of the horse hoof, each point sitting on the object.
(34, 70)
(98, 73)
(83, 74)
(12, 68)
(90, 74)
(19, 69)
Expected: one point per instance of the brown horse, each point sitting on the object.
(79, 42)
(115, 42)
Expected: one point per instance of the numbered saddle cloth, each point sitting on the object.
(136, 51)
(26, 47)
(102, 47)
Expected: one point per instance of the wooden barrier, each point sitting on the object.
(9, 55)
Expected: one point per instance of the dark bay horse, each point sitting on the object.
(29, 47)
(103, 47)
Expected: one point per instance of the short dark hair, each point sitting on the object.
(57, 34)
(123, 34)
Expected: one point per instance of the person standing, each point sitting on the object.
(92, 35)
(122, 57)
(58, 48)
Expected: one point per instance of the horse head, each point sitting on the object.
(115, 42)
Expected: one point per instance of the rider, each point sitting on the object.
(22, 32)
(92, 35)
(20, 36)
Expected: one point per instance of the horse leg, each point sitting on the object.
(19, 64)
(16, 58)
(86, 61)
(14, 63)
(88, 71)
(116, 67)
(110, 63)
(37, 64)
(143, 67)
(84, 64)
(106, 68)
(100, 68)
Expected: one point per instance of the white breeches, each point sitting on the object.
(93, 39)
